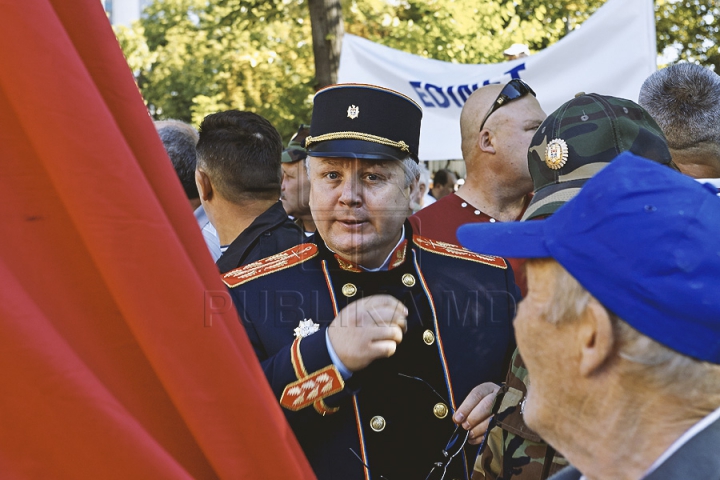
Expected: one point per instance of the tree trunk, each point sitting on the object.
(326, 21)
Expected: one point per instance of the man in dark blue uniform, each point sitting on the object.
(372, 337)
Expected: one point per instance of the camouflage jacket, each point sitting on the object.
(511, 450)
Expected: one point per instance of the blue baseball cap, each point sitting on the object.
(641, 238)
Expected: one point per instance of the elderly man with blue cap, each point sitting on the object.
(572, 144)
(620, 331)
(372, 338)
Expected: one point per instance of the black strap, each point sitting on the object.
(549, 455)
(496, 406)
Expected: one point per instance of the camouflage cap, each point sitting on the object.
(295, 150)
(580, 138)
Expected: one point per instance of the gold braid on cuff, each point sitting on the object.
(357, 136)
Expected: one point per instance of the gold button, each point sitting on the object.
(408, 280)
(349, 289)
(440, 410)
(428, 337)
(377, 423)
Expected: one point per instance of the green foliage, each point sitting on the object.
(691, 27)
(194, 57)
(465, 31)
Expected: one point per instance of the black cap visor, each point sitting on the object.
(349, 148)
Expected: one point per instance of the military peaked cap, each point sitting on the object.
(364, 121)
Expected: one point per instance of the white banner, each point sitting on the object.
(612, 53)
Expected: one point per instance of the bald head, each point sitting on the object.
(473, 112)
(506, 133)
(497, 177)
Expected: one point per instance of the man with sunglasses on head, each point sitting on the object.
(496, 124)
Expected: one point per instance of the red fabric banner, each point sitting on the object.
(121, 355)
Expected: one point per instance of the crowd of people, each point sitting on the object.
(557, 315)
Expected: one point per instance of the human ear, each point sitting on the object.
(414, 188)
(595, 337)
(486, 141)
(204, 186)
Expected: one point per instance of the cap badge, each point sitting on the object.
(353, 112)
(556, 154)
(306, 328)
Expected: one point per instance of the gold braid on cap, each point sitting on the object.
(357, 136)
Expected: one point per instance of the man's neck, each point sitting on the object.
(231, 219)
(700, 162)
(504, 204)
(620, 434)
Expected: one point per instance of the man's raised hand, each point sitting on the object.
(368, 329)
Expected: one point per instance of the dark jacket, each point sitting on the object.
(270, 233)
(390, 414)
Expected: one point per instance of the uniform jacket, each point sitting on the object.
(270, 233)
(394, 416)
(697, 459)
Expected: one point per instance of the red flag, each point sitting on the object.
(120, 355)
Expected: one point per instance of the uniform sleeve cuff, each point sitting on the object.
(335, 359)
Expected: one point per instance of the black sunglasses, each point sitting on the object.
(514, 89)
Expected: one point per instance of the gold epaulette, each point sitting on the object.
(450, 250)
(280, 261)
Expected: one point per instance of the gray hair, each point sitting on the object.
(412, 171)
(655, 363)
(662, 367)
(683, 100)
(410, 167)
(180, 139)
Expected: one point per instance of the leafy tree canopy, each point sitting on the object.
(194, 57)
(691, 28)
